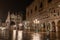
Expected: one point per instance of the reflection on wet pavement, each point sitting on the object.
(36, 36)
(25, 35)
(20, 35)
(14, 34)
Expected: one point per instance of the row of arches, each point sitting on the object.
(54, 34)
(55, 30)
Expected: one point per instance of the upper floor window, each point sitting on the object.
(35, 8)
(58, 13)
(44, 25)
(49, 1)
(28, 13)
(54, 11)
(41, 5)
(31, 11)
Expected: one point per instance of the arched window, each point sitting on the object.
(49, 1)
(58, 13)
(12, 23)
(43, 25)
(58, 24)
(31, 11)
(53, 26)
(41, 5)
(35, 8)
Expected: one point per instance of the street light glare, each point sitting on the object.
(20, 24)
(36, 36)
(58, 5)
(36, 21)
(14, 25)
(2, 28)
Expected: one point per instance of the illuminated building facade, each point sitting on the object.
(47, 12)
(11, 26)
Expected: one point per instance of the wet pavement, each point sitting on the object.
(28, 35)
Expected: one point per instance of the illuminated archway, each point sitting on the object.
(12, 23)
(53, 27)
(58, 25)
(11, 30)
(53, 32)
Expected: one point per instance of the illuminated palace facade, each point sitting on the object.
(45, 16)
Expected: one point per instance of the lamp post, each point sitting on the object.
(20, 26)
(36, 21)
(26, 24)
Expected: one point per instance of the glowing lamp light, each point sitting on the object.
(20, 33)
(2, 28)
(36, 36)
(58, 5)
(36, 21)
(20, 24)
(14, 25)
(14, 34)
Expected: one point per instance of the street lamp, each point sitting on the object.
(20, 26)
(36, 21)
(26, 24)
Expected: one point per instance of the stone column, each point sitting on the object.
(50, 30)
(56, 30)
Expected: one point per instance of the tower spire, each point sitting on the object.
(8, 17)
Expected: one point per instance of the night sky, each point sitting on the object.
(14, 6)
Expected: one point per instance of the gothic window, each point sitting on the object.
(58, 13)
(35, 8)
(31, 11)
(49, 1)
(12, 23)
(53, 25)
(54, 11)
(41, 5)
(44, 25)
(28, 13)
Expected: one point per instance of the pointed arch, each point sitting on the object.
(53, 26)
(58, 25)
